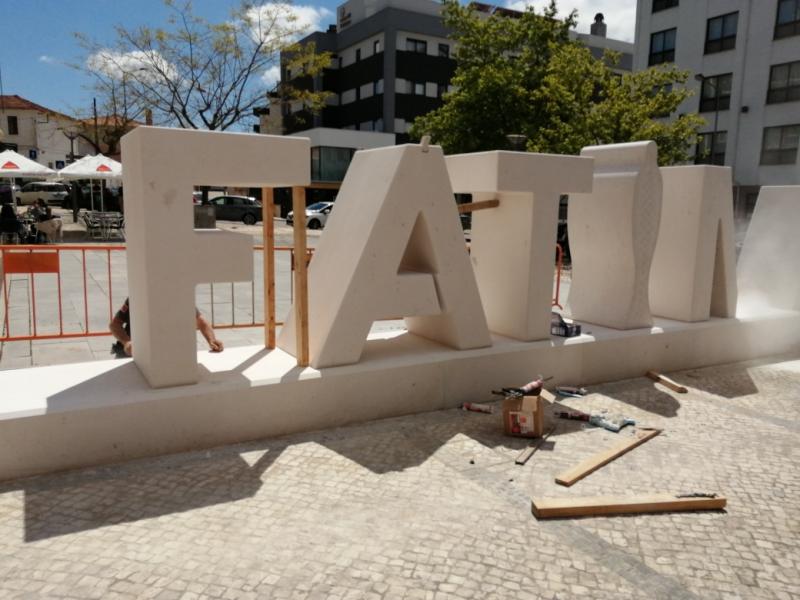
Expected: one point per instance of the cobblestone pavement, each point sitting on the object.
(433, 506)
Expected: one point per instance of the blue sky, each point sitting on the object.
(37, 41)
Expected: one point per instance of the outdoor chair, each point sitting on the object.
(93, 226)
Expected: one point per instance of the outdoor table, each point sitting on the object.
(108, 222)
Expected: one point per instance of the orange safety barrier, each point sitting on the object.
(33, 260)
(39, 260)
(559, 267)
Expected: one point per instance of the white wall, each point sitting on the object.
(750, 63)
(339, 138)
(367, 47)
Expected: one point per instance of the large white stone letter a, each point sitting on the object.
(694, 267)
(393, 247)
(167, 258)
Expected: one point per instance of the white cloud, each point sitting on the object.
(114, 64)
(271, 76)
(47, 59)
(620, 17)
(288, 21)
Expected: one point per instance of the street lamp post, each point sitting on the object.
(71, 135)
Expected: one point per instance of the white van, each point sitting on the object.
(52, 193)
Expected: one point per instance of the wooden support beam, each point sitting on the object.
(268, 230)
(548, 508)
(675, 387)
(300, 275)
(473, 206)
(596, 461)
(526, 454)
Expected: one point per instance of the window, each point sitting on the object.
(376, 46)
(711, 149)
(784, 83)
(721, 33)
(715, 93)
(780, 145)
(444, 51)
(377, 87)
(330, 163)
(788, 22)
(663, 4)
(662, 47)
(417, 88)
(418, 46)
(358, 54)
(13, 126)
(441, 89)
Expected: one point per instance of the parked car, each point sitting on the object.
(316, 215)
(237, 208)
(51, 192)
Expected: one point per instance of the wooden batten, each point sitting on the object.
(591, 506)
(300, 275)
(596, 461)
(482, 205)
(268, 230)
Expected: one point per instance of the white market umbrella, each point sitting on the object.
(13, 164)
(93, 167)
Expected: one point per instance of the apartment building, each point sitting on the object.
(39, 132)
(392, 61)
(744, 57)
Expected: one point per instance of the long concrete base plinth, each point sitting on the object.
(67, 416)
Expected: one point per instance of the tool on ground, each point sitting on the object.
(477, 407)
(571, 391)
(591, 464)
(559, 327)
(532, 388)
(526, 454)
(544, 508)
(611, 423)
(676, 387)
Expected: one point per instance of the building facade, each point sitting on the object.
(392, 61)
(744, 59)
(39, 133)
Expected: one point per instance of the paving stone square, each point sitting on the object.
(432, 506)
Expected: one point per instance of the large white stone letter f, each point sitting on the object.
(167, 258)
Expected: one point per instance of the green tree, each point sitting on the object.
(202, 75)
(525, 76)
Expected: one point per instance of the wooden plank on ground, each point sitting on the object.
(659, 378)
(596, 461)
(482, 205)
(545, 508)
(526, 454)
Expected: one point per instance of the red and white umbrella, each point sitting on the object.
(13, 164)
(93, 167)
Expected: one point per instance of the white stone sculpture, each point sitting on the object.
(694, 267)
(513, 245)
(769, 265)
(612, 236)
(167, 258)
(393, 247)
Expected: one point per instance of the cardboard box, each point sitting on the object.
(524, 417)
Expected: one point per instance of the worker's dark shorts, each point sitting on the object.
(118, 350)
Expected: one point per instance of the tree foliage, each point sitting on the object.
(202, 75)
(525, 76)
